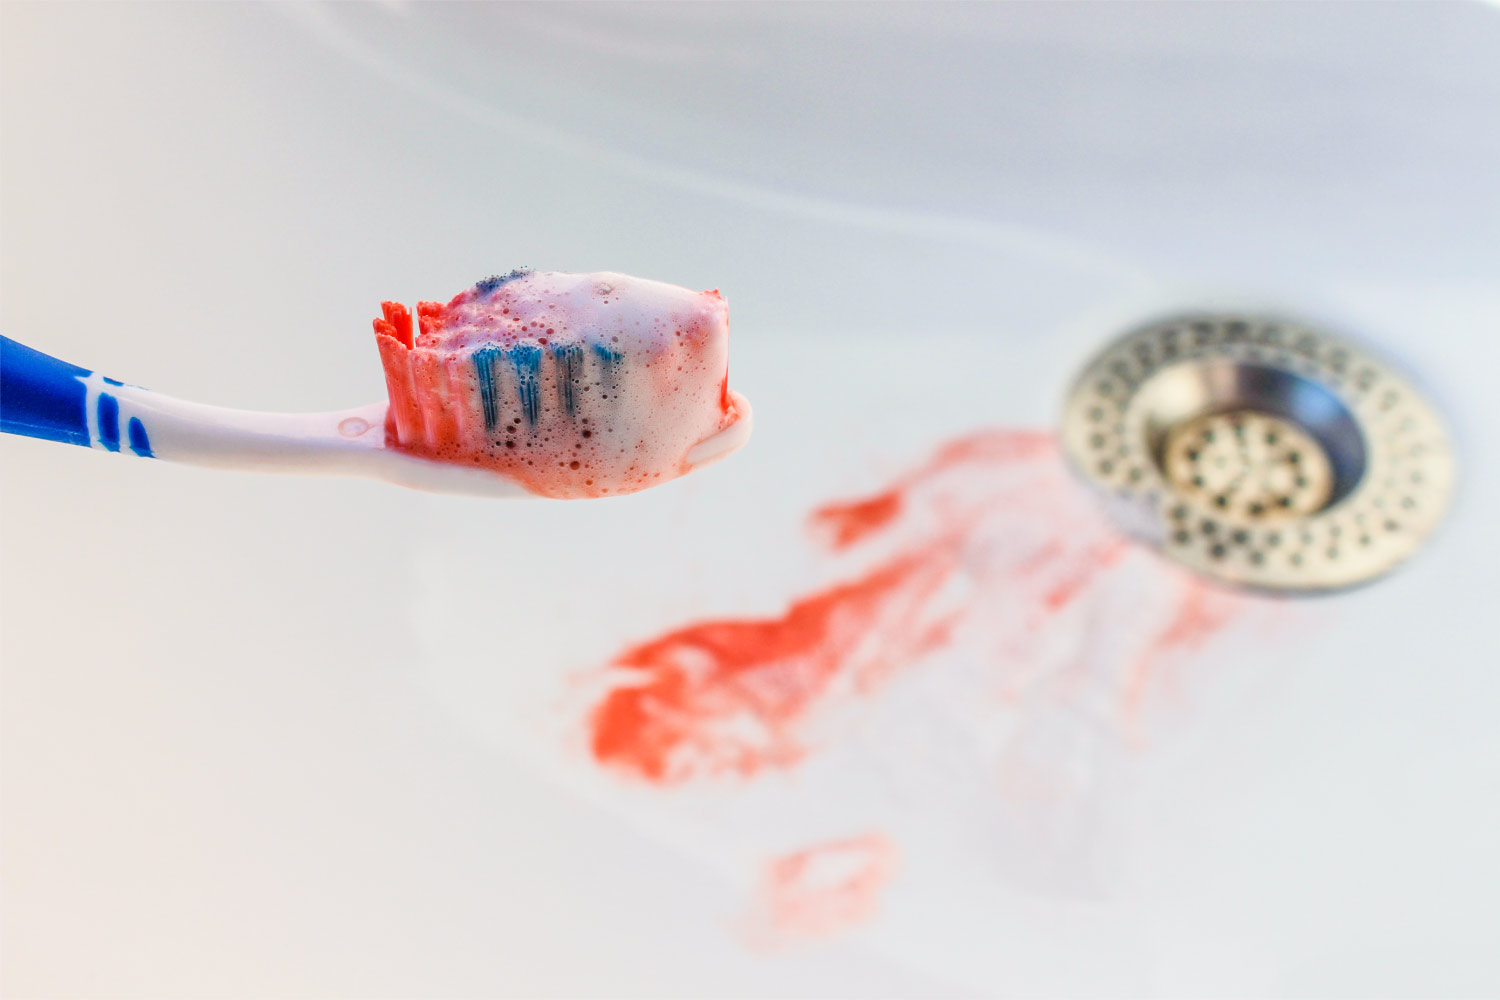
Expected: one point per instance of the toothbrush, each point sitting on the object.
(527, 384)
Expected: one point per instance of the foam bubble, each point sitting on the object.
(574, 385)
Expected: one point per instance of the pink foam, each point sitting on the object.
(574, 385)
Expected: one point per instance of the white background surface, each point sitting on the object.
(236, 760)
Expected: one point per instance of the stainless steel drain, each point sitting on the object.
(1261, 451)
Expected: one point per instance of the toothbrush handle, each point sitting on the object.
(43, 397)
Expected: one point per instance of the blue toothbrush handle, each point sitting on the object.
(43, 397)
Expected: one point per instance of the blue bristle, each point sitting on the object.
(487, 366)
(488, 285)
(108, 412)
(111, 381)
(609, 362)
(139, 442)
(569, 360)
(528, 362)
(609, 367)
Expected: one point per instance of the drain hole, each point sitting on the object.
(1251, 440)
(1239, 473)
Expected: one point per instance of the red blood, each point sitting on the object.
(429, 317)
(396, 324)
(1087, 569)
(996, 545)
(821, 890)
(1201, 613)
(847, 523)
(722, 696)
(989, 447)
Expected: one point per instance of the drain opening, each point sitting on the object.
(1261, 452)
(1248, 464)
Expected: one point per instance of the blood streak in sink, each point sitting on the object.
(726, 696)
(821, 890)
(988, 549)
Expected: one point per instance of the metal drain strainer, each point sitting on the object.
(1260, 451)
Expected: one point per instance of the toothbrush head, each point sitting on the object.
(572, 385)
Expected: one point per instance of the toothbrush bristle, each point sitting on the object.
(429, 317)
(396, 323)
(572, 384)
(488, 286)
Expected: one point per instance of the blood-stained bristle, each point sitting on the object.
(429, 317)
(396, 324)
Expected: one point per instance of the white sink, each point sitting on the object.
(277, 737)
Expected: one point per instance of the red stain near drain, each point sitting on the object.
(848, 523)
(722, 696)
(823, 889)
(1201, 613)
(990, 537)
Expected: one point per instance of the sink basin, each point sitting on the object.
(273, 737)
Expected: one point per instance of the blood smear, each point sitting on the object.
(989, 547)
(822, 890)
(724, 696)
(847, 523)
(1201, 613)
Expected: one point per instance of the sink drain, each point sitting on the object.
(1261, 452)
(1249, 465)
